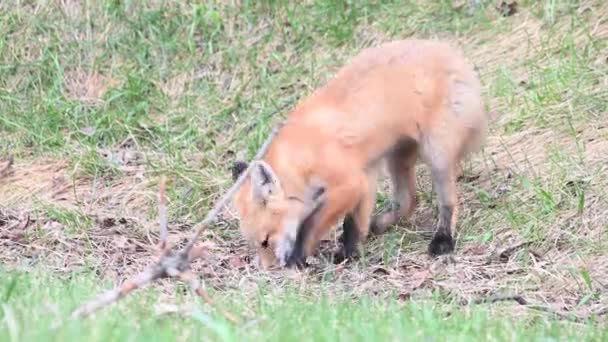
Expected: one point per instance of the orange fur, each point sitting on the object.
(395, 102)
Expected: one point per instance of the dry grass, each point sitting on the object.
(86, 87)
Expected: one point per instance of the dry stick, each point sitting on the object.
(150, 274)
(500, 298)
(568, 316)
(508, 251)
(176, 264)
(196, 287)
(5, 168)
(162, 215)
(523, 302)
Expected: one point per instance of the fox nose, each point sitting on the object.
(284, 250)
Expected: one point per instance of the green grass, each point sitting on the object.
(192, 86)
(35, 306)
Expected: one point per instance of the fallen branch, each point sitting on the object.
(506, 254)
(4, 169)
(162, 215)
(171, 264)
(500, 298)
(523, 302)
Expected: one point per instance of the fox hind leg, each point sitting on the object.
(443, 152)
(401, 166)
(444, 181)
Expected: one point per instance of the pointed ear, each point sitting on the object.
(264, 181)
(238, 168)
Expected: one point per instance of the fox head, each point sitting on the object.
(270, 219)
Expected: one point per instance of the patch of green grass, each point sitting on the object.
(71, 221)
(184, 80)
(36, 306)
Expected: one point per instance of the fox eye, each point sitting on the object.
(264, 243)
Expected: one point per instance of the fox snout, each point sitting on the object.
(284, 250)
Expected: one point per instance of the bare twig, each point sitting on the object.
(172, 264)
(196, 287)
(4, 169)
(162, 215)
(116, 294)
(568, 316)
(500, 298)
(523, 302)
(505, 254)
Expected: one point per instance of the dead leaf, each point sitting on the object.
(5, 166)
(121, 242)
(88, 131)
(419, 278)
(23, 223)
(197, 252)
(229, 155)
(15, 227)
(507, 8)
(506, 254)
(16, 235)
(468, 178)
(523, 80)
(493, 115)
(237, 262)
(208, 244)
(132, 157)
(457, 5)
(404, 296)
(535, 254)
(108, 222)
(381, 271)
(475, 250)
(53, 229)
(163, 309)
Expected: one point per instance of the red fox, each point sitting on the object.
(392, 103)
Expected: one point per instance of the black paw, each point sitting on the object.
(296, 260)
(376, 228)
(341, 255)
(441, 244)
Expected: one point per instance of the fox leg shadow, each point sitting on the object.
(401, 164)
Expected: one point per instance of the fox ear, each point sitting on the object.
(238, 168)
(264, 181)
